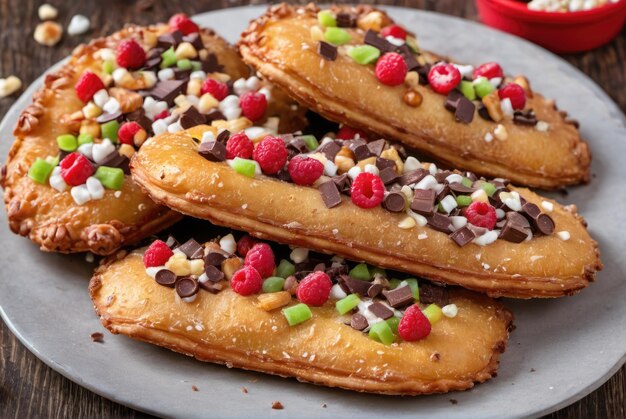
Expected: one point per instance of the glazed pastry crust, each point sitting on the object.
(347, 92)
(174, 174)
(51, 218)
(235, 332)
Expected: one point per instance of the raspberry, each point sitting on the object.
(75, 169)
(253, 105)
(271, 154)
(261, 258)
(305, 170)
(391, 69)
(246, 281)
(488, 70)
(181, 22)
(239, 145)
(216, 88)
(161, 115)
(515, 93)
(367, 190)
(157, 254)
(87, 86)
(414, 325)
(348, 133)
(127, 132)
(245, 244)
(130, 54)
(393, 30)
(443, 78)
(481, 214)
(314, 289)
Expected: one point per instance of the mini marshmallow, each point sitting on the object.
(197, 75)
(547, 205)
(420, 220)
(450, 310)
(78, 25)
(159, 127)
(80, 194)
(495, 82)
(112, 106)
(228, 244)
(174, 127)
(337, 293)
(458, 221)
(266, 92)
(299, 254)
(239, 86)
(101, 97)
(253, 83)
(467, 71)
(429, 182)
(86, 150)
(119, 74)
(165, 74)
(507, 107)
(487, 238)
(448, 203)
(410, 164)
(563, 235)
(454, 178)
(208, 136)
(95, 188)
(102, 150)
(150, 78)
(330, 169)
(370, 168)
(354, 172)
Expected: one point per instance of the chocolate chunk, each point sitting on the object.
(346, 20)
(180, 74)
(478, 231)
(168, 40)
(334, 271)
(374, 290)
(388, 175)
(471, 176)
(358, 321)
(423, 73)
(330, 150)
(191, 118)
(108, 117)
(139, 116)
(372, 38)
(166, 278)
(214, 115)
(115, 159)
(433, 294)
(544, 224)
(525, 118)
(399, 297)
(462, 236)
(298, 145)
(517, 219)
(212, 151)
(423, 201)
(460, 189)
(484, 113)
(512, 232)
(154, 53)
(327, 51)
(213, 273)
(379, 310)
(192, 249)
(223, 136)
(330, 194)
(377, 147)
(383, 163)
(167, 90)
(171, 242)
(215, 257)
(464, 110)
(452, 100)
(195, 40)
(444, 192)
(343, 182)
(442, 175)
(411, 62)
(283, 174)
(354, 143)
(152, 63)
(355, 286)
(412, 177)
(211, 64)
(394, 202)
(186, 287)
(362, 152)
(531, 211)
(440, 222)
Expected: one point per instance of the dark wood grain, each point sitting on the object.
(28, 388)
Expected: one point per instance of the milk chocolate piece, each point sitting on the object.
(412, 177)
(379, 310)
(394, 202)
(346, 20)
(512, 232)
(330, 194)
(440, 222)
(342, 181)
(464, 110)
(423, 201)
(544, 224)
(166, 278)
(388, 175)
(433, 294)
(211, 65)
(383, 163)
(212, 151)
(108, 117)
(399, 297)
(171, 242)
(330, 150)
(372, 38)
(115, 159)
(191, 118)
(362, 152)
(376, 147)
(192, 249)
(358, 321)
(195, 40)
(212, 287)
(214, 115)
(462, 236)
(452, 100)
(298, 145)
(327, 51)
(180, 74)
(355, 286)
(223, 136)
(213, 273)
(215, 257)
(167, 90)
(168, 40)
(374, 290)
(186, 287)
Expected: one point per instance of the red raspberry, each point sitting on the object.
(314, 289)
(161, 115)
(87, 86)
(481, 214)
(393, 30)
(157, 254)
(130, 54)
(75, 169)
(348, 133)
(271, 154)
(414, 325)
(367, 190)
(515, 93)
(444, 77)
(246, 281)
(245, 244)
(216, 88)
(181, 22)
(261, 258)
(391, 69)
(127, 132)
(305, 170)
(253, 105)
(488, 70)
(239, 145)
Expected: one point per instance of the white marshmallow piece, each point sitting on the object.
(80, 194)
(174, 127)
(239, 86)
(112, 106)
(102, 150)
(253, 83)
(78, 25)
(487, 238)
(337, 293)
(266, 92)
(56, 180)
(354, 172)
(370, 168)
(448, 203)
(450, 310)
(86, 150)
(454, 178)
(429, 182)
(208, 136)
(330, 168)
(467, 71)
(159, 127)
(119, 74)
(197, 75)
(299, 254)
(95, 188)
(419, 219)
(410, 164)
(547, 205)
(507, 107)
(458, 221)
(165, 74)
(228, 244)
(100, 98)
(563, 235)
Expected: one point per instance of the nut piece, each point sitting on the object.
(412, 98)
(194, 87)
(185, 50)
(392, 154)
(343, 163)
(129, 101)
(234, 125)
(274, 300)
(90, 127)
(317, 34)
(48, 33)
(492, 103)
(500, 132)
(9, 86)
(47, 12)
(407, 223)
(372, 20)
(230, 266)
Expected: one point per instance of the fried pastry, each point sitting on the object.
(374, 205)
(356, 66)
(320, 320)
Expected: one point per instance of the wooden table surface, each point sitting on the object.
(28, 388)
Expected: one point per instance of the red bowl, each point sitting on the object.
(561, 32)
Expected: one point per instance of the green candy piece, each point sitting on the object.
(433, 313)
(482, 87)
(337, 36)
(414, 288)
(84, 139)
(490, 188)
(285, 269)
(393, 323)
(273, 284)
(393, 283)
(364, 54)
(326, 19)
(168, 58)
(110, 177)
(467, 88)
(381, 332)
(244, 166)
(467, 182)
(348, 303)
(108, 67)
(361, 272)
(109, 130)
(310, 141)
(297, 314)
(463, 200)
(184, 64)
(196, 65)
(40, 170)
(67, 142)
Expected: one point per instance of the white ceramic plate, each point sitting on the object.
(572, 344)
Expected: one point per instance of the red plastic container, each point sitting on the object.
(560, 32)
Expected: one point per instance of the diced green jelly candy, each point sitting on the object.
(110, 177)
(393, 323)
(361, 272)
(382, 333)
(467, 88)
(285, 269)
(40, 170)
(184, 64)
(364, 54)
(297, 314)
(84, 139)
(483, 88)
(244, 166)
(168, 58)
(433, 313)
(376, 270)
(108, 67)
(196, 66)
(326, 19)
(348, 303)
(273, 284)
(67, 142)
(463, 200)
(490, 188)
(414, 288)
(109, 130)
(467, 182)
(337, 36)
(310, 141)
(393, 283)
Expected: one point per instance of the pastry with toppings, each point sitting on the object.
(370, 201)
(356, 66)
(66, 181)
(293, 313)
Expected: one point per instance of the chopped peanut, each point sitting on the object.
(274, 300)
(230, 266)
(492, 103)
